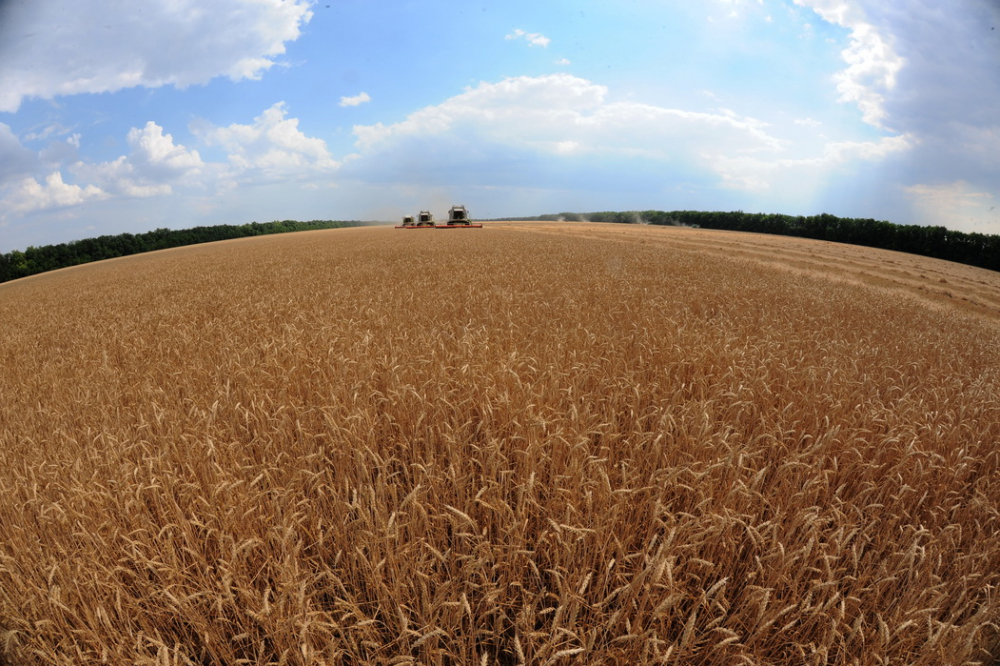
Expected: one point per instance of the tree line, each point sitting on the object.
(18, 264)
(974, 249)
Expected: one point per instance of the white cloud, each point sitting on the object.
(563, 62)
(743, 173)
(53, 129)
(566, 147)
(542, 111)
(271, 151)
(120, 177)
(522, 106)
(66, 47)
(958, 205)
(842, 151)
(533, 38)
(356, 100)
(840, 12)
(273, 144)
(155, 153)
(509, 132)
(871, 72)
(760, 173)
(872, 62)
(807, 122)
(555, 116)
(29, 195)
(153, 166)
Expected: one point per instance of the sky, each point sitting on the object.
(122, 116)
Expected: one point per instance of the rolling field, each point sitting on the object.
(534, 443)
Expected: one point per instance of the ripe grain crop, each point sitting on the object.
(526, 444)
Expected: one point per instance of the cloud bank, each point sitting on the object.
(549, 120)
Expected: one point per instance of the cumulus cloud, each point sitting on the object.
(872, 62)
(514, 110)
(29, 195)
(66, 47)
(153, 166)
(533, 38)
(273, 144)
(548, 113)
(271, 150)
(356, 100)
(155, 155)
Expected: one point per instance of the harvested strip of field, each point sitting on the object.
(543, 444)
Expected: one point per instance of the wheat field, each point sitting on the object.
(527, 444)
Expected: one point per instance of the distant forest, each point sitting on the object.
(974, 249)
(17, 264)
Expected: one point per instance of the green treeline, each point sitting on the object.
(975, 249)
(17, 264)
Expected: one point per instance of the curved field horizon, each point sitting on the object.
(530, 443)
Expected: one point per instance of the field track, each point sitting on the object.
(537, 443)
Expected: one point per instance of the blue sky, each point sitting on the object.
(117, 116)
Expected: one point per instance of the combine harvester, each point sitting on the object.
(423, 221)
(458, 218)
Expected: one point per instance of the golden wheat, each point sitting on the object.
(529, 444)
